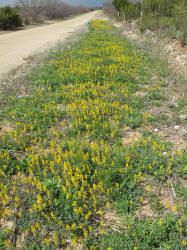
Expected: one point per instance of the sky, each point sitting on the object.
(92, 3)
(6, 2)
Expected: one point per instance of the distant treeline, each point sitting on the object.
(164, 16)
(29, 11)
(51, 9)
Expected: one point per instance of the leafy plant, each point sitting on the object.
(65, 160)
(9, 18)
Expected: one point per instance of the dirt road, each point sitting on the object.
(16, 46)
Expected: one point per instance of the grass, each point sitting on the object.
(166, 26)
(67, 160)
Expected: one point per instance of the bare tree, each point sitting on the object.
(109, 9)
(31, 8)
(50, 8)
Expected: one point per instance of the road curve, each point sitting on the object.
(16, 46)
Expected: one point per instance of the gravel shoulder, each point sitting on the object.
(15, 47)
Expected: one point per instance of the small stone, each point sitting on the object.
(177, 127)
(182, 117)
(156, 130)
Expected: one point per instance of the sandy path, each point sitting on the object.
(16, 46)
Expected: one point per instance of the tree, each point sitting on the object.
(49, 8)
(109, 8)
(9, 18)
(120, 6)
(31, 8)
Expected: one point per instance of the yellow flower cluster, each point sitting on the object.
(68, 133)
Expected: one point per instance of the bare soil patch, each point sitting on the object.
(130, 136)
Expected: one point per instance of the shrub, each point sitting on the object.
(163, 16)
(9, 18)
(133, 11)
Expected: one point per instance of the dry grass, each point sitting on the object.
(175, 55)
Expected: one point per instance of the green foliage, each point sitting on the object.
(124, 7)
(133, 11)
(2, 238)
(144, 234)
(180, 165)
(9, 18)
(63, 158)
(120, 4)
(168, 17)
